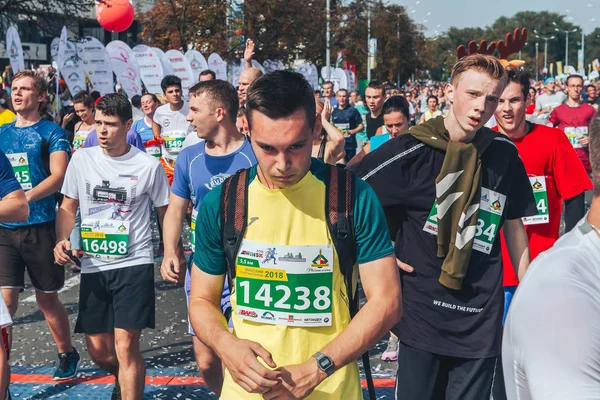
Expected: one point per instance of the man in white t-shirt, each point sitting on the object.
(114, 185)
(550, 348)
(548, 101)
(169, 123)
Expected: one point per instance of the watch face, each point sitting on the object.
(325, 362)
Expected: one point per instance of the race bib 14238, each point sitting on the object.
(284, 285)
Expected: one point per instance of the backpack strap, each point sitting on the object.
(234, 208)
(340, 220)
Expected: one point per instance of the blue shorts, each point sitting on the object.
(225, 296)
(509, 292)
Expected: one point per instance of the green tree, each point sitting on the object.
(175, 24)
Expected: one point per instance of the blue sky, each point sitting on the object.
(439, 15)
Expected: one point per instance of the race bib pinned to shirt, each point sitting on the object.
(193, 229)
(20, 166)
(105, 238)
(342, 127)
(284, 285)
(174, 141)
(491, 207)
(538, 184)
(79, 139)
(153, 151)
(575, 134)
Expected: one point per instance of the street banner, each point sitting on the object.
(197, 62)
(151, 70)
(181, 69)
(72, 69)
(14, 50)
(166, 64)
(125, 67)
(96, 64)
(218, 66)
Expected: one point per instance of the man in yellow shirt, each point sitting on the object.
(6, 116)
(289, 299)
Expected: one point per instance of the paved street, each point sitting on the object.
(167, 350)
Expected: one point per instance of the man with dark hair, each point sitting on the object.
(307, 310)
(38, 151)
(448, 186)
(374, 96)
(199, 169)
(347, 120)
(114, 185)
(329, 94)
(169, 125)
(550, 343)
(592, 96)
(555, 174)
(574, 118)
(207, 75)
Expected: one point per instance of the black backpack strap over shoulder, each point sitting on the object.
(339, 209)
(234, 208)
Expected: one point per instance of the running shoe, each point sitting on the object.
(116, 393)
(67, 365)
(391, 352)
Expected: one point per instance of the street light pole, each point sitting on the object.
(398, 65)
(369, 55)
(566, 32)
(567, 49)
(537, 69)
(545, 39)
(327, 44)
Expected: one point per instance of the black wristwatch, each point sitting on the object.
(325, 363)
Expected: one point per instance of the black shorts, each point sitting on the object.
(119, 298)
(427, 376)
(32, 248)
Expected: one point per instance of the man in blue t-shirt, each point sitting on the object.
(38, 151)
(199, 169)
(348, 120)
(13, 208)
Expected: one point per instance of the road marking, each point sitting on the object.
(69, 283)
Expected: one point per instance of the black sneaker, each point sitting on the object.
(67, 366)
(116, 393)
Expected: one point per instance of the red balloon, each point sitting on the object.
(115, 15)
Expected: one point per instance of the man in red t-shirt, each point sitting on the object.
(555, 173)
(574, 118)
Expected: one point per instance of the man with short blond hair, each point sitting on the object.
(466, 183)
(39, 153)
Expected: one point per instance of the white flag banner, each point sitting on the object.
(197, 62)
(72, 69)
(14, 50)
(125, 67)
(62, 47)
(236, 70)
(54, 49)
(342, 78)
(166, 64)
(182, 70)
(273, 65)
(311, 75)
(151, 70)
(218, 66)
(256, 64)
(314, 76)
(328, 74)
(96, 64)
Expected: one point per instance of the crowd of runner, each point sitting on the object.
(438, 196)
